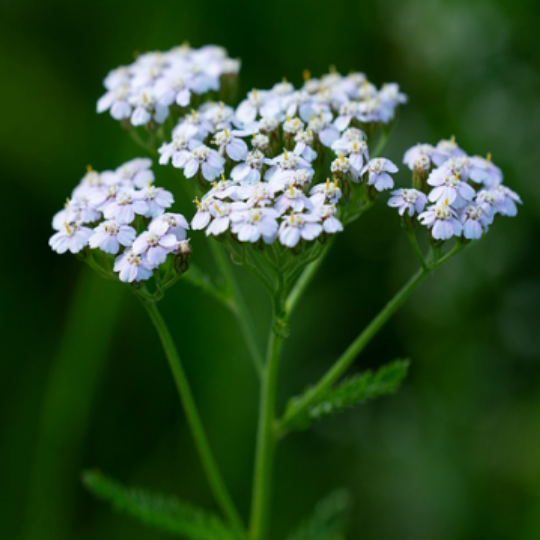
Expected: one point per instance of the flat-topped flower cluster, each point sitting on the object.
(107, 209)
(144, 91)
(306, 146)
(283, 166)
(453, 194)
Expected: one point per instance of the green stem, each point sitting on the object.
(304, 280)
(210, 467)
(239, 306)
(416, 248)
(348, 357)
(266, 441)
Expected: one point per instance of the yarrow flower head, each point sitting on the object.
(147, 89)
(112, 212)
(466, 193)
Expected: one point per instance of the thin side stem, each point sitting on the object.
(217, 485)
(416, 248)
(239, 307)
(304, 280)
(348, 357)
(266, 442)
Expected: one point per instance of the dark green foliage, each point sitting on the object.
(351, 392)
(327, 520)
(158, 511)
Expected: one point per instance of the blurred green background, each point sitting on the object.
(84, 383)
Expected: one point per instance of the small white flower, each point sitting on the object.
(80, 209)
(135, 173)
(449, 186)
(220, 212)
(390, 97)
(283, 167)
(356, 151)
(224, 189)
(442, 221)
(208, 160)
(255, 223)
(304, 143)
(341, 166)
(156, 246)
(371, 110)
(173, 87)
(234, 147)
(198, 121)
(179, 149)
(326, 132)
(124, 206)
(117, 101)
(506, 200)
(171, 224)
(378, 176)
(446, 149)
(258, 194)
(147, 108)
(133, 267)
(109, 235)
(203, 215)
(456, 166)
(293, 125)
(157, 200)
(93, 183)
(409, 200)
(484, 171)
(487, 199)
(248, 110)
(220, 115)
(418, 151)
(72, 237)
(147, 69)
(329, 191)
(297, 226)
(330, 223)
(475, 221)
(292, 198)
(250, 171)
(347, 112)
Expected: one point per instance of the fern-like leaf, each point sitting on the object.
(351, 392)
(158, 511)
(327, 520)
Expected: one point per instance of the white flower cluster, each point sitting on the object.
(266, 188)
(456, 195)
(106, 209)
(156, 81)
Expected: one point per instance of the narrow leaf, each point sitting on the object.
(327, 520)
(351, 392)
(158, 511)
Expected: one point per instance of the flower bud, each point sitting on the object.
(421, 169)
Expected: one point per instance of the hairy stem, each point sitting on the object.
(217, 485)
(266, 441)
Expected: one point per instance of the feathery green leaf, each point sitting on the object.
(158, 511)
(327, 520)
(351, 392)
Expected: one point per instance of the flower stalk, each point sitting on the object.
(213, 474)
